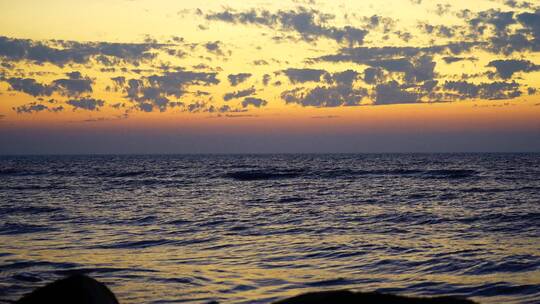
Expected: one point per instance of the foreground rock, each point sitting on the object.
(77, 289)
(349, 297)
(80, 289)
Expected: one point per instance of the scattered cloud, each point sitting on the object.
(303, 75)
(86, 103)
(253, 101)
(239, 94)
(309, 24)
(214, 47)
(236, 79)
(506, 68)
(35, 107)
(452, 59)
(491, 91)
(500, 44)
(155, 91)
(62, 52)
(74, 85)
(29, 86)
(325, 96)
(393, 93)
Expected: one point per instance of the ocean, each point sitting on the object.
(257, 228)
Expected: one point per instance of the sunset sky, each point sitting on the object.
(160, 76)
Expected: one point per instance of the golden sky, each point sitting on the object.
(340, 69)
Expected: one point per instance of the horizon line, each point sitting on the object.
(264, 153)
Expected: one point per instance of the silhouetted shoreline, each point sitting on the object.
(85, 290)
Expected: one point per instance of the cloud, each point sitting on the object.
(260, 62)
(505, 32)
(373, 75)
(214, 47)
(118, 83)
(154, 91)
(365, 55)
(253, 101)
(303, 75)
(266, 79)
(29, 86)
(415, 69)
(340, 91)
(412, 64)
(36, 107)
(393, 93)
(452, 59)
(443, 9)
(309, 24)
(236, 79)
(239, 94)
(516, 4)
(100, 119)
(60, 52)
(204, 107)
(31, 108)
(376, 21)
(73, 86)
(442, 31)
(507, 68)
(86, 103)
(500, 21)
(120, 80)
(341, 78)
(492, 91)
(325, 96)
(224, 109)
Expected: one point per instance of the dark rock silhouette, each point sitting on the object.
(349, 297)
(80, 289)
(76, 289)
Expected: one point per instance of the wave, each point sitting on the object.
(256, 175)
(153, 243)
(499, 190)
(33, 187)
(27, 277)
(8, 171)
(331, 282)
(100, 270)
(291, 199)
(183, 281)
(29, 210)
(137, 244)
(499, 288)
(511, 264)
(19, 265)
(179, 222)
(275, 174)
(531, 219)
(18, 228)
(16, 172)
(121, 174)
(450, 173)
(149, 182)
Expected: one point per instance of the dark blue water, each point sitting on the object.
(238, 229)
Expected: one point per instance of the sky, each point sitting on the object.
(299, 76)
